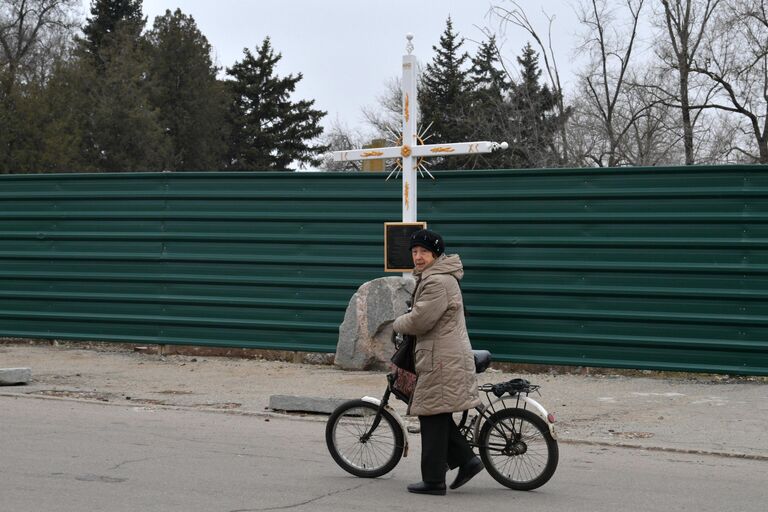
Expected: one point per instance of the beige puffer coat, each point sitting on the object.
(444, 360)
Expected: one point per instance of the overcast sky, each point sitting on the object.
(348, 49)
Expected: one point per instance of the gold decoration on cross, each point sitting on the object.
(405, 194)
(371, 153)
(405, 151)
(442, 149)
(407, 112)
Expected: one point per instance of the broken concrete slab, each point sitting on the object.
(12, 376)
(292, 403)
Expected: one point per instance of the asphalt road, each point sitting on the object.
(62, 456)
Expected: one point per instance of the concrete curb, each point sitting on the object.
(666, 449)
(13, 376)
(293, 403)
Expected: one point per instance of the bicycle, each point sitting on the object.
(517, 443)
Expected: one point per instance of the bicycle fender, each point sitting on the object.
(537, 408)
(390, 410)
(541, 411)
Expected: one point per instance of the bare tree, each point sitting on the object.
(339, 137)
(386, 119)
(650, 132)
(734, 58)
(686, 23)
(655, 132)
(607, 78)
(30, 32)
(717, 143)
(585, 135)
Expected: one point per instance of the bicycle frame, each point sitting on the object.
(383, 404)
(472, 430)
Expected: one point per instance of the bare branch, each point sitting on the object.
(26, 28)
(517, 16)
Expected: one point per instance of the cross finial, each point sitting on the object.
(409, 45)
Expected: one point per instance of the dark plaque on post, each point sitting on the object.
(397, 237)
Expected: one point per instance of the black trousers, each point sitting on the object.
(442, 447)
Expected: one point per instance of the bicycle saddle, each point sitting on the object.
(482, 360)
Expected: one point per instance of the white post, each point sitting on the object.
(410, 111)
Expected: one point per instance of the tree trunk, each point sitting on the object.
(762, 143)
(686, 111)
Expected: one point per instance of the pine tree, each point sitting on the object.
(444, 94)
(488, 119)
(268, 130)
(535, 119)
(44, 138)
(107, 17)
(183, 88)
(20, 118)
(66, 109)
(122, 129)
(486, 74)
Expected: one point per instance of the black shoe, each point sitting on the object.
(427, 488)
(467, 471)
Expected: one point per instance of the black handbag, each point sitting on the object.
(403, 356)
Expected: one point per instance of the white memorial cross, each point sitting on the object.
(410, 150)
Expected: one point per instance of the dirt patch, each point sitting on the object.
(631, 435)
(327, 359)
(288, 356)
(79, 395)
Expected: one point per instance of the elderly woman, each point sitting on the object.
(444, 364)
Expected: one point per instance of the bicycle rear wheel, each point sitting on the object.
(518, 450)
(357, 450)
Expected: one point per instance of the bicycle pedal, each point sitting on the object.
(413, 429)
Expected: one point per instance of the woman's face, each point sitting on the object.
(422, 257)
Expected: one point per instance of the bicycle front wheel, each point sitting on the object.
(518, 450)
(357, 448)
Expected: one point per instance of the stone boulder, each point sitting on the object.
(365, 336)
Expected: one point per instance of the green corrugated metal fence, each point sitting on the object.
(661, 268)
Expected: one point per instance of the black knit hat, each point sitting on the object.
(429, 240)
